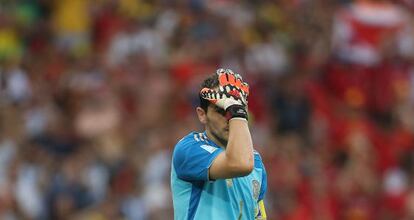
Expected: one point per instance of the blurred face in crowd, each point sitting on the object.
(216, 124)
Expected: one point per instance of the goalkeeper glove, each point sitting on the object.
(232, 81)
(231, 95)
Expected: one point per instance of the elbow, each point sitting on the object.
(242, 169)
(247, 169)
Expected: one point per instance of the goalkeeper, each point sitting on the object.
(217, 174)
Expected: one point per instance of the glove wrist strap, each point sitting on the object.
(236, 111)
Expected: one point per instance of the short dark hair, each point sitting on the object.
(210, 82)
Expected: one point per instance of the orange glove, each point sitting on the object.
(231, 95)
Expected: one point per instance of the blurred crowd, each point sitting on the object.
(94, 94)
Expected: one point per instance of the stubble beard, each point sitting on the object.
(223, 141)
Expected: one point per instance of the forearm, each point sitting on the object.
(239, 150)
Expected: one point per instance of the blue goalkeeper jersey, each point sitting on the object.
(196, 197)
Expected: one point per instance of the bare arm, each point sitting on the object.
(237, 160)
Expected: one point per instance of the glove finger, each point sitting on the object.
(223, 79)
(231, 78)
(209, 94)
(245, 88)
(238, 83)
(231, 87)
(220, 71)
(236, 75)
(238, 80)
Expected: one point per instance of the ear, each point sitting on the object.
(202, 115)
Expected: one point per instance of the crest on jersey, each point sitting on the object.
(256, 189)
(229, 182)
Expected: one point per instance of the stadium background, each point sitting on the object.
(95, 93)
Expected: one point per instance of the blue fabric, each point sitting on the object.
(195, 197)
(193, 156)
(259, 165)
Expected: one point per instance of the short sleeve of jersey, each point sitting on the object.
(193, 157)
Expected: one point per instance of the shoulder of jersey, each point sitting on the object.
(195, 136)
(199, 137)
